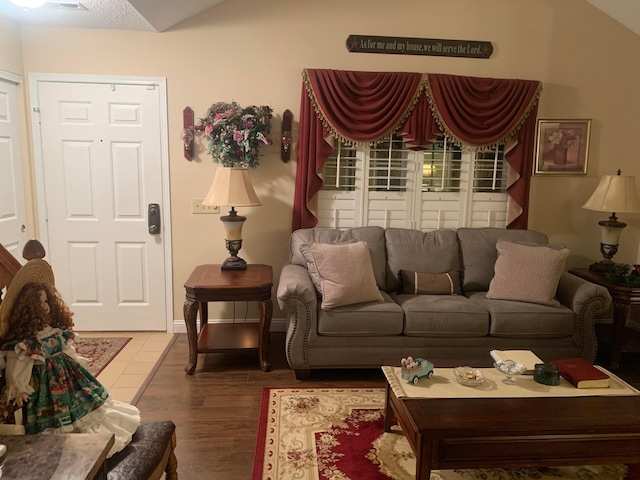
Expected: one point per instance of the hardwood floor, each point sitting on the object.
(216, 410)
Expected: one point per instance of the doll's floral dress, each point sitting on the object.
(63, 395)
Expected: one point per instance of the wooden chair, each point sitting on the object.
(152, 449)
(9, 265)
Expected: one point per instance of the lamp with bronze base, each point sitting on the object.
(231, 187)
(616, 194)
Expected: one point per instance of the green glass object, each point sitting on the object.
(546, 374)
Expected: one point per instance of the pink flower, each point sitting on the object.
(238, 136)
(208, 129)
(218, 117)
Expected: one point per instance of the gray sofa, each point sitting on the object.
(448, 330)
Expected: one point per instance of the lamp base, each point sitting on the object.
(602, 266)
(234, 263)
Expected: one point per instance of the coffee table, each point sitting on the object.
(448, 433)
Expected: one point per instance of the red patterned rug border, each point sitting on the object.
(103, 360)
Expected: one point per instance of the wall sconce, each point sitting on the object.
(187, 133)
(285, 146)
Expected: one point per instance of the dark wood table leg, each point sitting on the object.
(620, 314)
(204, 314)
(423, 458)
(388, 412)
(266, 311)
(190, 311)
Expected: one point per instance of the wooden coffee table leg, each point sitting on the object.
(190, 312)
(423, 454)
(421, 449)
(388, 412)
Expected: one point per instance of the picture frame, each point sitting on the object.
(562, 147)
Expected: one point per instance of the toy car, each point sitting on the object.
(414, 369)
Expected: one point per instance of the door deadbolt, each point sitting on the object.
(154, 218)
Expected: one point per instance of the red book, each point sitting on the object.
(581, 373)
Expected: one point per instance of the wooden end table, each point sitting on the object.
(209, 283)
(623, 298)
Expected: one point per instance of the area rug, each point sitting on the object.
(100, 351)
(338, 434)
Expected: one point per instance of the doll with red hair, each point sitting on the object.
(44, 373)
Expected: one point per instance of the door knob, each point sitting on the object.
(153, 218)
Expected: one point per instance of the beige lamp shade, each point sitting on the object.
(232, 186)
(616, 194)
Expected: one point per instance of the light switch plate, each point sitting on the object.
(198, 207)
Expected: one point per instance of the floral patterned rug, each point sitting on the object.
(338, 434)
(100, 351)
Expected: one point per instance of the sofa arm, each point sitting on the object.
(587, 300)
(297, 297)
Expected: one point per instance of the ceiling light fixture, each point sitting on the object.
(72, 6)
(29, 3)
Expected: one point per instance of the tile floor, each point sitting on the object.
(127, 372)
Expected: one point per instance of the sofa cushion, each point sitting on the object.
(413, 250)
(527, 273)
(442, 316)
(525, 320)
(374, 236)
(345, 272)
(479, 254)
(363, 319)
(429, 283)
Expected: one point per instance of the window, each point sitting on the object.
(389, 185)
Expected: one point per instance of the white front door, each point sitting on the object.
(13, 233)
(102, 163)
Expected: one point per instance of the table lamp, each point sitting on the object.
(231, 187)
(616, 194)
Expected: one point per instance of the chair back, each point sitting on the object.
(9, 265)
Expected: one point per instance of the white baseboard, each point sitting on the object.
(277, 324)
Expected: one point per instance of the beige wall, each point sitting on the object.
(11, 60)
(253, 51)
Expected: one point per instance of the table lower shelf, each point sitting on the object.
(229, 337)
(630, 341)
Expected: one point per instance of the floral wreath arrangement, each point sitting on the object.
(626, 275)
(236, 133)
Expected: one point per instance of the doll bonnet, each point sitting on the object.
(34, 271)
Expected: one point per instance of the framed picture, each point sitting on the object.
(562, 147)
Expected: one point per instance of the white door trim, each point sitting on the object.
(157, 82)
(10, 77)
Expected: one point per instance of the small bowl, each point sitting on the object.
(468, 376)
(510, 369)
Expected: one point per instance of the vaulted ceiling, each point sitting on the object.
(142, 15)
(160, 15)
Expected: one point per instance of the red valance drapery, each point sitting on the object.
(363, 107)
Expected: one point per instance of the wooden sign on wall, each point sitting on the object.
(419, 46)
